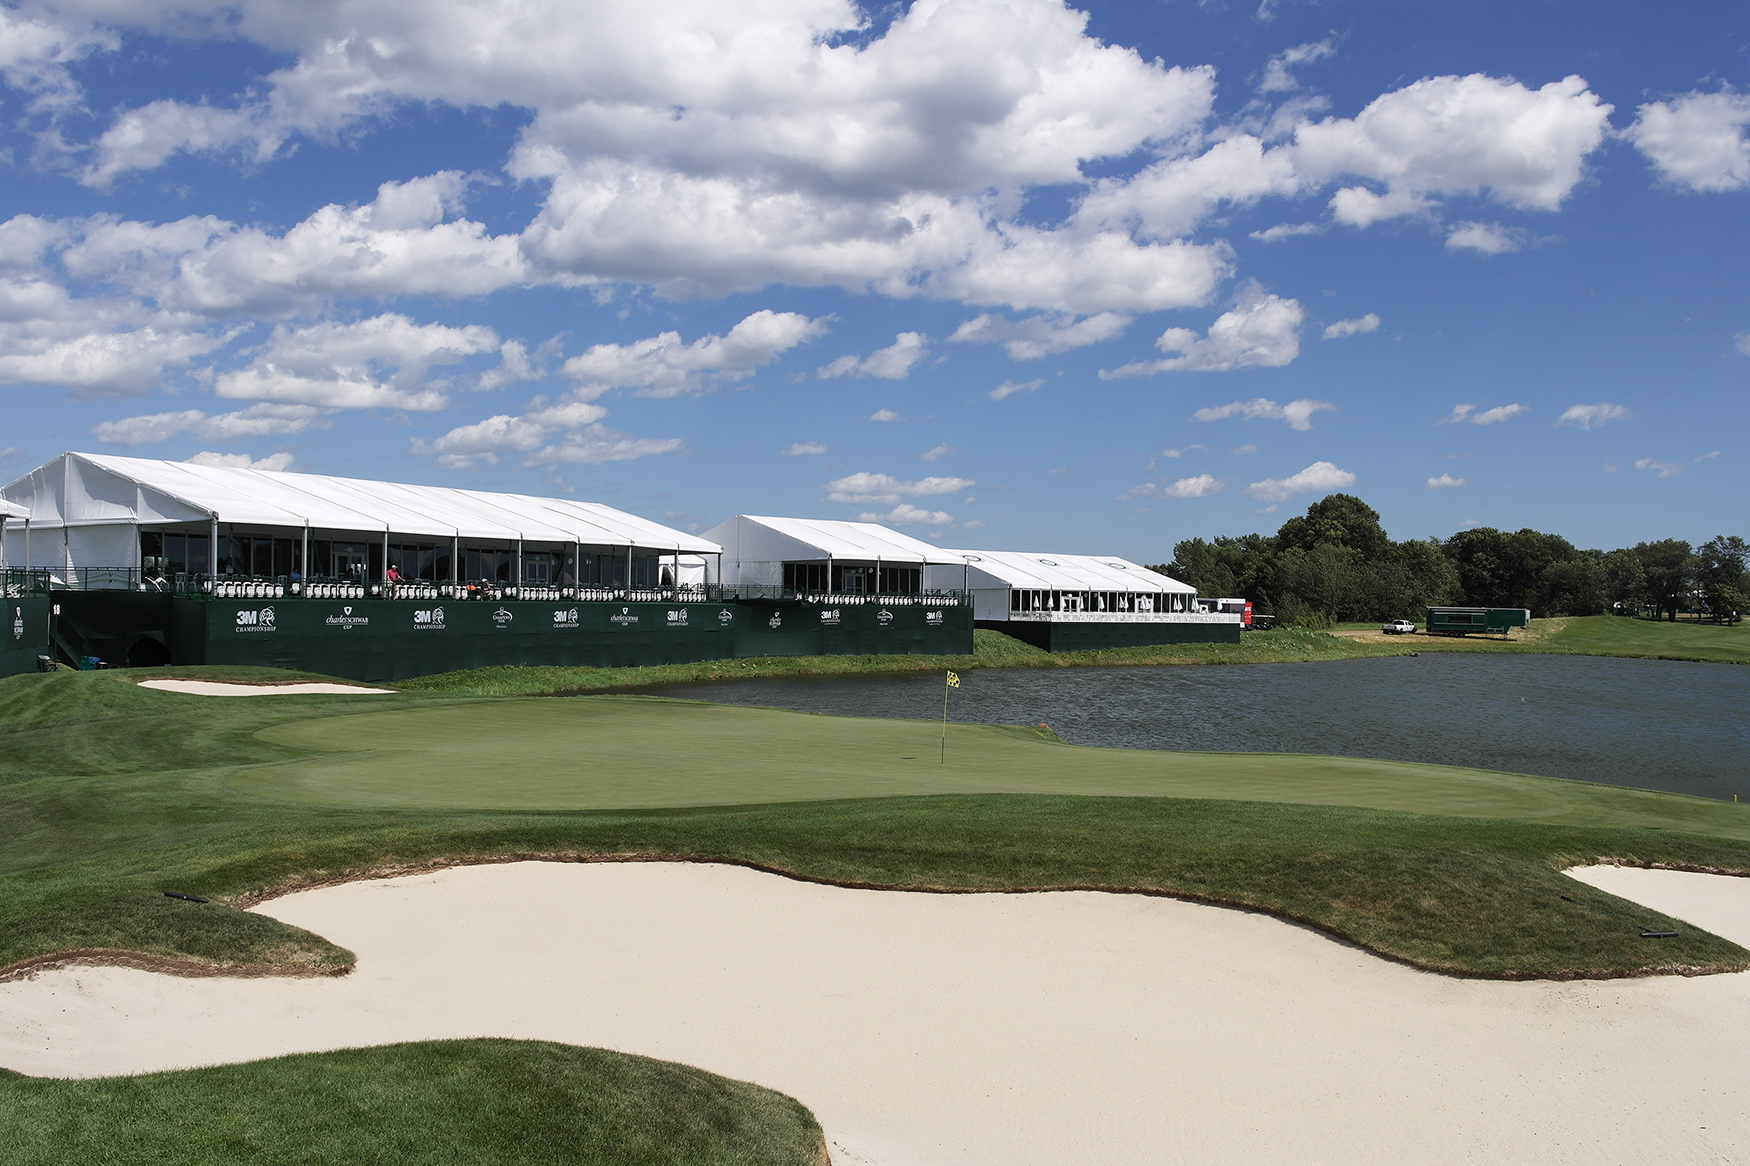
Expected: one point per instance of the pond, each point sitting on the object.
(1656, 724)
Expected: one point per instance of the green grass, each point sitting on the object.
(627, 751)
(434, 1103)
(1599, 635)
(116, 794)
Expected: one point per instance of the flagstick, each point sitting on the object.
(944, 760)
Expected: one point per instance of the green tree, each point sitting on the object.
(1670, 566)
(1338, 520)
(1625, 580)
(1721, 564)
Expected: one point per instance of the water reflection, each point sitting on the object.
(1657, 724)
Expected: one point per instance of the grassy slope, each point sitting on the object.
(434, 1103)
(117, 800)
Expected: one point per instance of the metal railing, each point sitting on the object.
(18, 582)
(282, 587)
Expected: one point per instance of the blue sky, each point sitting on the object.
(1001, 273)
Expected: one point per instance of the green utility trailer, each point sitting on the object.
(1464, 621)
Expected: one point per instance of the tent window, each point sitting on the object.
(805, 577)
(902, 580)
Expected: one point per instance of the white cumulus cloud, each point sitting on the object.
(1042, 335)
(1010, 388)
(804, 449)
(1316, 478)
(1298, 414)
(1592, 416)
(264, 420)
(242, 461)
(1468, 415)
(893, 363)
(1356, 327)
(1444, 482)
(1261, 331)
(1198, 486)
(1489, 238)
(1672, 469)
(905, 514)
(662, 366)
(376, 363)
(1698, 141)
(883, 489)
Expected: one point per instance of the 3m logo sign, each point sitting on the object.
(429, 619)
(259, 620)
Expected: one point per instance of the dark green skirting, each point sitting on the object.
(377, 639)
(1091, 637)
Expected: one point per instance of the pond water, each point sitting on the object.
(1656, 724)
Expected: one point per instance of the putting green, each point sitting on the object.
(619, 752)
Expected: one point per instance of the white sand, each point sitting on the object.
(219, 688)
(967, 1030)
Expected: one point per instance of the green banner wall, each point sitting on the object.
(24, 634)
(400, 639)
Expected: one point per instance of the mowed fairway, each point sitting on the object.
(624, 752)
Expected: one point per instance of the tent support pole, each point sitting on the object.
(304, 560)
(385, 554)
(519, 567)
(213, 548)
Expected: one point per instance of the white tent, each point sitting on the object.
(87, 510)
(11, 510)
(824, 555)
(1006, 583)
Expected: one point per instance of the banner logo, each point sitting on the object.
(725, 616)
(625, 618)
(346, 620)
(501, 617)
(429, 619)
(830, 617)
(884, 618)
(932, 617)
(18, 623)
(777, 621)
(260, 620)
(565, 618)
(677, 617)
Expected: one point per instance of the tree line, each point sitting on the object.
(1336, 564)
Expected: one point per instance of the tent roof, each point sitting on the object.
(1051, 572)
(861, 541)
(184, 492)
(13, 510)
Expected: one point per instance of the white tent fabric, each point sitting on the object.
(88, 490)
(1026, 570)
(13, 510)
(756, 547)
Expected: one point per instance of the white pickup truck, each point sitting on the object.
(1398, 627)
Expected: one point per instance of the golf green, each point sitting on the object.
(622, 752)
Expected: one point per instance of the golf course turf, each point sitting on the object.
(430, 1103)
(114, 794)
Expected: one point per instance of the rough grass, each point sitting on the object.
(432, 1103)
(101, 830)
(1599, 635)
(991, 649)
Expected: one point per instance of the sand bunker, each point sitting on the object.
(967, 1030)
(219, 688)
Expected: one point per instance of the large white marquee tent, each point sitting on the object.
(828, 555)
(1009, 585)
(97, 511)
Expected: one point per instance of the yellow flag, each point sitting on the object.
(953, 680)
